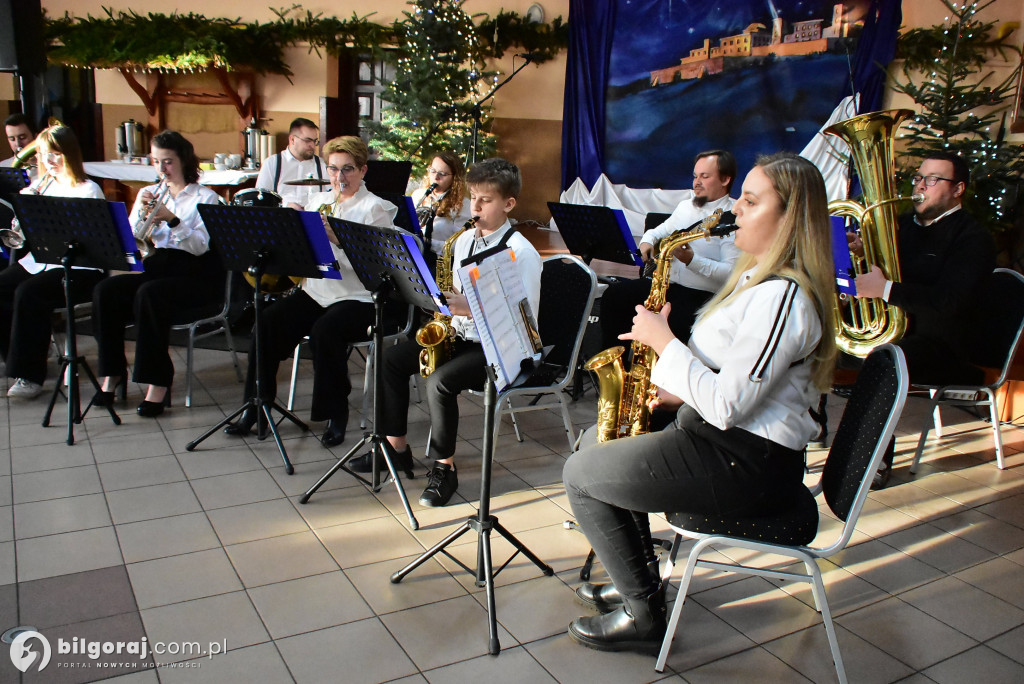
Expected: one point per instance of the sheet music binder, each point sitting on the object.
(501, 311)
(594, 232)
(407, 219)
(841, 257)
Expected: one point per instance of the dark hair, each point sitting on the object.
(19, 119)
(63, 140)
(961, 171)
(726, 165)
(503, 175)
(176, 142)
(301, 123)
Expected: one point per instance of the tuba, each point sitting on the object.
(436, 336)
(623, 396)
(868, 323)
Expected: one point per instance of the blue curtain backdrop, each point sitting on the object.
(616, 123)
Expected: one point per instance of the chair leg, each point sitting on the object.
(295, 377)
(936, 416)
(512, 415)
(920, 443)
(821, 600)
(567, 420)
(677, 607)
(997, 437)
(231, 348)
(189, 351)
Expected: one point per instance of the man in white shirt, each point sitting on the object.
(298, 160)
(19, 134)
(699, 269)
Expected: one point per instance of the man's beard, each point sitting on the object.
(700, 200)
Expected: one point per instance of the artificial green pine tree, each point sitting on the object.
(438, 74)
(962, 108)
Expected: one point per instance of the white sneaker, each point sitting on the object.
(23, 389)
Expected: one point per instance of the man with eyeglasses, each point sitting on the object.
(945, 256)
(298, 160)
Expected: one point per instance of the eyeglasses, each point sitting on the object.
(344, 170)
(439, 174)
(311, 141)
(929, 181)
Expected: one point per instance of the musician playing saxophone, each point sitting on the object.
(494, 187)
(761, 352)
(181, 275)
(334, 313)
(38, 288)
(443, 197)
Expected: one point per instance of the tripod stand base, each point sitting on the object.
(69, 369)
(263, 412)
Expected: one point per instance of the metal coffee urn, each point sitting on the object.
(251, 137)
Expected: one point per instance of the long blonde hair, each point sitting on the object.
(801, 251)
(63, 140)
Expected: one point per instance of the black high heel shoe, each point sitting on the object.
(103, 400)
(152, 409)
(243, 425)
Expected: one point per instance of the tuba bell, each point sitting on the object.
(865, 323)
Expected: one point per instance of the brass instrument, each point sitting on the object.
(869, 323)
(14, 237)
(426, 213)
(436, 336)
(623, 396)
(22, 156)
(143, 230)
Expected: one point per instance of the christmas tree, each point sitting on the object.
(439, 72)
(962, 106)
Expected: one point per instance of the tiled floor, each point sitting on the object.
(127, 534)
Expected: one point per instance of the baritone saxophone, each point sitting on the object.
(623, 396)
(436, 336)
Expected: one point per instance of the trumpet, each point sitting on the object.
(143, 230)
(14, 237)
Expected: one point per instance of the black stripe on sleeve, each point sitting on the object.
(781, 316)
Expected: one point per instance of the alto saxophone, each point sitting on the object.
(623, 397)
(436, 336)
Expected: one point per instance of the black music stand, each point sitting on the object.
(387, 176)
(278, 241)
(483, 522)
(386, 260)
(595, 232)
(76, 232)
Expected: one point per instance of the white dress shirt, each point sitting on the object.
(713, 259)
(190, 234)
(87, 189)
(291, 169)
(748, 363)
(527, 259)
(366, 208)
(444, 226)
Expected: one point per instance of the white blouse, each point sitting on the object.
(190, 234)
(444, 226)
(748, 363)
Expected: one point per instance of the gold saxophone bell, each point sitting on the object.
(436, 336)
(868, 323)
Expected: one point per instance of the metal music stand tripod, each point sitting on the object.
(595, 232)
(76, 232)
(277, 241)
(386, 260)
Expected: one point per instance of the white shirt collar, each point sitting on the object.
(937, 218)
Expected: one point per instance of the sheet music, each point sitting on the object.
(495, 292)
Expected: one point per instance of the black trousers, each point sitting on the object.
(465, 370)
(34, 302)
(10, 278)
(619, 301)
(172, 290)
(692, 467)
(331, 330)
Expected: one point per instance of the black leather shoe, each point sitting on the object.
(637, 625)
(104, 400)
(603, 597)
(243, 425)
(150, 409)
(441, 485)
(403, 462)
(334, 434)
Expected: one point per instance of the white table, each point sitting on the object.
(145, 173)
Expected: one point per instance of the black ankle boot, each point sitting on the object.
(637, 625)
(243, 424)
(884, 472)
(602, 597)
(403, 461)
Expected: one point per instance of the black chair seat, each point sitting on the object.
(796, 526)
